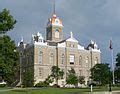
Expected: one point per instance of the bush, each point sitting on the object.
(116, 85)
(41, 84)
(93, 84)
(56, 86)
(3, 85)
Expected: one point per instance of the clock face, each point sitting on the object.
(57, 21)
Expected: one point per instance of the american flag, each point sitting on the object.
(110, 45)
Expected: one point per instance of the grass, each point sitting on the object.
(53, 90)
(42, 91)
(4, 88)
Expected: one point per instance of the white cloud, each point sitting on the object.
(88, 19)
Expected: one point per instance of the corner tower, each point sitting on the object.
(54, 28)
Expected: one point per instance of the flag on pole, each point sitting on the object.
(110, 45)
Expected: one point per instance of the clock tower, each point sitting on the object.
(54, 29)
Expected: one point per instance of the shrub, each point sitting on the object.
(116, 85)
(3, 85)
(56, 86)
(41, 84)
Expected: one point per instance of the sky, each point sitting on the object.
(97, 20)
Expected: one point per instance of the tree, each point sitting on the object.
(9, 66)
(81, 79)
(71, 77)
(7, 21)
(117, 69)
(56, 73)
(100, 73)
(45, 83)
(28, 80)
(9, 58)
(48, 80)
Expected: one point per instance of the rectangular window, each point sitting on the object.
(62, 59)
(40, 72)
(88, 73)
(80, 72)
(87, 62)
(51, 58)
(80, 60)
(72, 59)
(40, 57)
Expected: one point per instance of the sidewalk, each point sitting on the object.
(113, 92)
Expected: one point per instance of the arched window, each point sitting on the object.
(40, 57)
(62, 59)
(80, 60)
(56, 33)
(51, 58)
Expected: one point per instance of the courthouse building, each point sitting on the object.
(66, 53)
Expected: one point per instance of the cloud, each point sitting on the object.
(88, 19)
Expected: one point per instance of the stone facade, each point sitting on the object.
(41, 55)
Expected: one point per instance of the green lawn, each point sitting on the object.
(43, 91)
(4, 88)
(50, 91)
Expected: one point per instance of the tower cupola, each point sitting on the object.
(54, 28)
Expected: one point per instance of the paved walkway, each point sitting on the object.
(9, 89)
(113, 92)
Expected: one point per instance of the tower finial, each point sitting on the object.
(71, 34)
(22, 39)
(54, 7)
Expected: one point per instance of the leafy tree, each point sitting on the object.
(71, 77)
(8, 59)
(56, 73)
(7, 21)
(81, 79)
(28, 80)
(48, 80)
(41, 84)
(9, 66)
(100, 73)
(117, 69)
(45, 83)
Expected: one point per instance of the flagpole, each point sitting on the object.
(112, 61)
